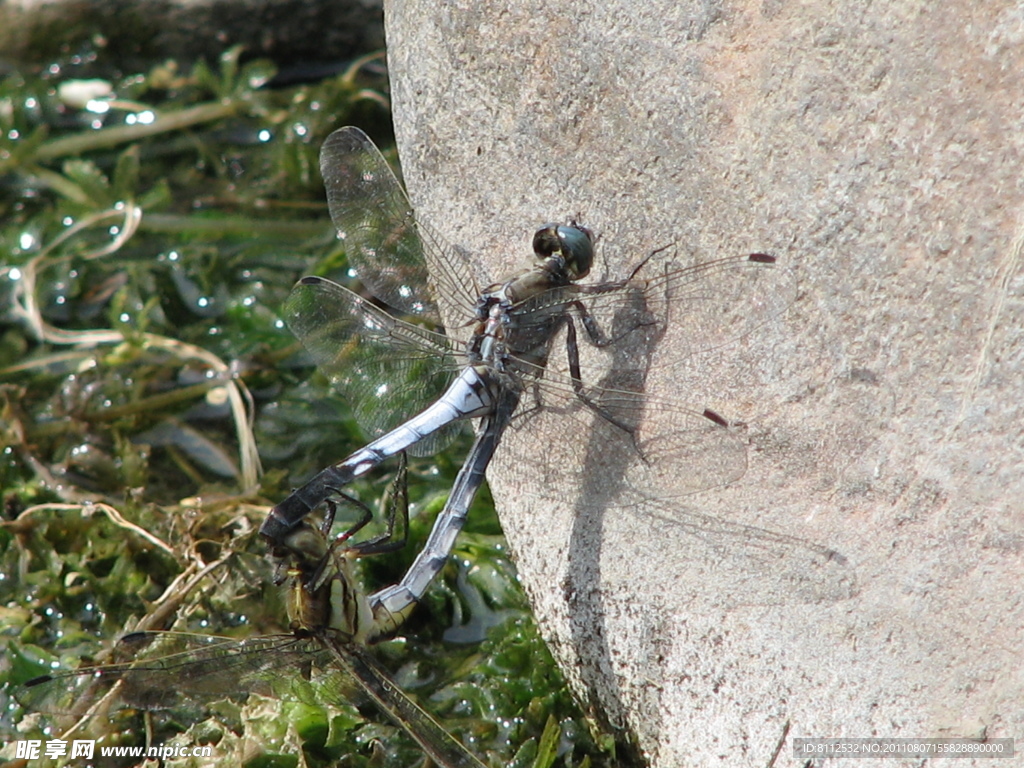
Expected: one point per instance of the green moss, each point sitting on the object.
(147, 249)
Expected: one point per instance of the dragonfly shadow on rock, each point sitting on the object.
(636, 482)
(617, 445)
(731, 564)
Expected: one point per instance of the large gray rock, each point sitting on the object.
(877, 151)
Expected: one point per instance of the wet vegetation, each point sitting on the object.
(153, 408)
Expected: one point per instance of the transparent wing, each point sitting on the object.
(180, 668)
(746, 565)
(683, 453)
(442, 747)
(174, 668)
(716, 302)
(387, 248)
(707, 306)
(385, 368)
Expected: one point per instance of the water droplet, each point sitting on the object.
(86, 94)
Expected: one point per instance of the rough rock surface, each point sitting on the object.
(877, 151)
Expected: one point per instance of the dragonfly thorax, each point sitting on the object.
(322, 592)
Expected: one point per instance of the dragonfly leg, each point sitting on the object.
(396, 505)
(307, 544)
(594, 332)
(645, 259)
(366, 514)
(398, 488)
(598, 338)
(573, 352)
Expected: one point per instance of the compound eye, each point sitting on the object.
(546, 242)
(575, 244)
(577, 249)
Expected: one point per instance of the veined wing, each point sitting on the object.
(706, 307)
(182, 669)
(387, 369)
(440, 745)
(717, 302)
(174, 668)
(388, 249)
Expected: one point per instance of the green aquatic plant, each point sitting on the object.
(153, 407)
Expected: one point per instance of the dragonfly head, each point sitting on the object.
(302, 550)
(564, 249)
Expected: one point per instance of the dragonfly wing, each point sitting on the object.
(386, 368)
(387, 248)
(440, 745)
(743, 564)
(682, 452)
(708, 307)
(710, 304)
(714, 304)
(171, 668)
